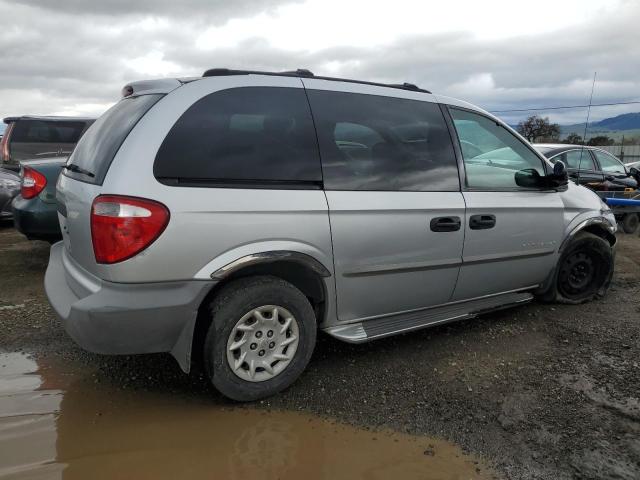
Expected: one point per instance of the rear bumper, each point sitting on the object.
(35, 218)
(116, 318)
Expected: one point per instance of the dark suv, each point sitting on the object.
(29, 137)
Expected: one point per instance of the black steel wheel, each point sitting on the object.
(585, 268)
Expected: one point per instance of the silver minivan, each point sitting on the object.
(230, 217)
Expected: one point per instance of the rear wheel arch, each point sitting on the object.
(300, 270)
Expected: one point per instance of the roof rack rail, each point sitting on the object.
(221, 72)
(303, 72)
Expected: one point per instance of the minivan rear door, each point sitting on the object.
(81, 180)
(395, 206)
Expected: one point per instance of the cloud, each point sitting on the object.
(221, 10)
(74, 56)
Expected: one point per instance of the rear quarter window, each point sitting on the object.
(255, 136)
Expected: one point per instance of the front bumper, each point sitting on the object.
(35, 218)
(121, 319)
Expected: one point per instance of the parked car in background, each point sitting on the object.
(34, 208)
(9, 188)
(231, 217)
(595, 168)
(602, 172)
(30, 137)
(633, 165)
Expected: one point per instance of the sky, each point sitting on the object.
(72, 57)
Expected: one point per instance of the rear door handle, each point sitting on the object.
(445, 224)
(482, 222)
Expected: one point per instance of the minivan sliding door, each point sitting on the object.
(395, 206)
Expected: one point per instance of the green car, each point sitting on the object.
(34, 209)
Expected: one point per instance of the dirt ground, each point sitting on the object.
(541, 391)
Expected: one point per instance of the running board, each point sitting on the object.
(364, 331)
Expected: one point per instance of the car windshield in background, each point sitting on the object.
(44, 131)
(544, 150)
(99, 145)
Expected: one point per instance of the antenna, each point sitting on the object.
(586, 126)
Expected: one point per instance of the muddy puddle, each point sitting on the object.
(65, 426)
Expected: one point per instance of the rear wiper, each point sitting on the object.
(75, 168)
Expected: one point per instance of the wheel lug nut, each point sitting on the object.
(253, 346)
(270, 333)
(258, 334)
(261, 353)
(272, 344)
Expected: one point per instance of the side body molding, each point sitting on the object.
(270, 257)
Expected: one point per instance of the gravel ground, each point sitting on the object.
(541, 391)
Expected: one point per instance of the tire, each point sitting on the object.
(584, 271)
(630, 223)
(239, 300)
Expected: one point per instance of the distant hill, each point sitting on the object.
(619, 123)
(626, 121)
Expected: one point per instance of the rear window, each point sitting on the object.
(258, 136)
(46, 131)
(96, 149)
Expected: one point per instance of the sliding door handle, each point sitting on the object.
(482, 222)
(445, 224)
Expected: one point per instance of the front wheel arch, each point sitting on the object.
(602, 249)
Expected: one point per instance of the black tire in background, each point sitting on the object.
(228, 307)
(584, 271)
(630, 222)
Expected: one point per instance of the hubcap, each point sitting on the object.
(262, 343)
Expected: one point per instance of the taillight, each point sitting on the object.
(5, 156)
(33, 183)
(123, 226)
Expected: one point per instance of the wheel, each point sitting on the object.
(584, 271)
(261, 337)
(630, 222)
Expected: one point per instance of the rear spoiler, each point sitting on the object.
(146, 87)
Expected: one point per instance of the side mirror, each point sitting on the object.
(560, 177)
(528, 178)
(559, 169)
(635, 173)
